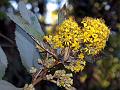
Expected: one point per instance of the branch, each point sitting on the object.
(9, 40)
(54, 56)
(42, 74)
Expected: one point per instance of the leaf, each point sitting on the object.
(24, 12)
(26, 26)
(29, 17)
(3, 63)
(29, 23)
(26, 46)
(5, 85)
(62, 14)
(35, 23)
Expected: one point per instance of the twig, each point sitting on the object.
(54, 56)
(42, 74)
(37, 74)
(7, 39)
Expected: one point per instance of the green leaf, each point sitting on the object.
(29, 17)
(26, 26)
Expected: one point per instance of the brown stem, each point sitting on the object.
(7, 39)
(40, 78)
(42, 74)
(37, 74)
(54, 56)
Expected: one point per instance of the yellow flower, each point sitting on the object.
(66, 34)
(88, 39)
(81, 56)
(76, 66)
(95, 34)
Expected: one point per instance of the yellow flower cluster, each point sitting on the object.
(88, 39)
(76, 66)
(49, 62)
(95, 35)
(63, 79)
(67, 35)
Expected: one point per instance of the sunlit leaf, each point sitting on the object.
(26, 26)
(29, 17)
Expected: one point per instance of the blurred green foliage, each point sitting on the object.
(2, 15)
(4, 2)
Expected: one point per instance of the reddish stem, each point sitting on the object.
(42, 74)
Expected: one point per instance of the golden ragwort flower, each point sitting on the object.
(95, 35)
(88, 39)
